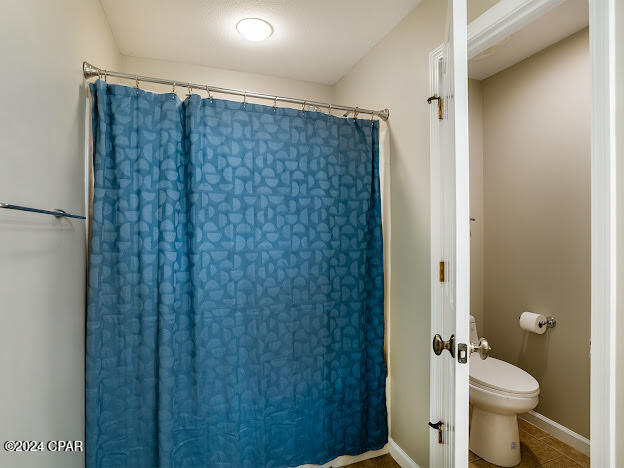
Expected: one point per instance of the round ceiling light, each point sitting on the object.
(254, 29)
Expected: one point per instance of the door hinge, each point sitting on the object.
(435, 97)
(441, 272)
(439, 426)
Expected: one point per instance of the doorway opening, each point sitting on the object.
(449, 156)
(530, 207)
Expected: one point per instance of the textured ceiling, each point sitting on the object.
(314, 40)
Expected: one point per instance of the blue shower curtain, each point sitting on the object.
(235, 310)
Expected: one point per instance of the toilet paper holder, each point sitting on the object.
(550, 322)
(533, 325)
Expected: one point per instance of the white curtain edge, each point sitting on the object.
(384, 183)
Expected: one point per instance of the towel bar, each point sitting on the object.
(56, 212)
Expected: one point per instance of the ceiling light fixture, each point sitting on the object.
(254, 29)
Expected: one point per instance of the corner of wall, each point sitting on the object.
(394, 74)
(111, 37)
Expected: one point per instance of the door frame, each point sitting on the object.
(503, 19)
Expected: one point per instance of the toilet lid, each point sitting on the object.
(500, 375)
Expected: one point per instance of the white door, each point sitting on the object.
(450, 244)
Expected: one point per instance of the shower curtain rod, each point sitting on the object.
(91, 71)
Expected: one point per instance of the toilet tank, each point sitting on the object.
(474, 336)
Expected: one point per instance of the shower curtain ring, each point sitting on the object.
(209, 94)
(245, 100)
(356, 112)
(303, 107)
(275, 104)
(190, 91)
(173, 90)
(105, 77)
(136, 83)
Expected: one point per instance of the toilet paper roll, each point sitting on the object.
(530, 322)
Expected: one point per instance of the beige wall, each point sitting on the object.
(42, 267)
(222, 78)
(42, 260)
(395, 74)
(477, 7)
(475, 121)
(537, 222)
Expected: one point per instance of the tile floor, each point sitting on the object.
(539, 449)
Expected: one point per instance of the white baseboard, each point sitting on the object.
(345, 460)
(391, 447)
(400, 456)
(558, 431)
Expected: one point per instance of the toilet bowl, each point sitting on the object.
(499, 391)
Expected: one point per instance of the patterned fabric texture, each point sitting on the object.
(235, 311)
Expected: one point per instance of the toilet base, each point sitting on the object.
(494, 437)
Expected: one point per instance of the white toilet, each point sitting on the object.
(498, 392)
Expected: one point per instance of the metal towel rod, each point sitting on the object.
(56, 212)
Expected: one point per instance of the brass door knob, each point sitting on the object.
(483, 348)
(440, 345)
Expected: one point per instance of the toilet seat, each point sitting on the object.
(500, 377)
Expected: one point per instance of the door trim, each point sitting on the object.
(462, 227)
(603, 233)
(503, 19)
